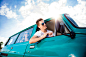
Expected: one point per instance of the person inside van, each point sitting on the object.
(42, 33)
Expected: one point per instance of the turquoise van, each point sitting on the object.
(69, 40)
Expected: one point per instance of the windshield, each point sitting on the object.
(75, 22)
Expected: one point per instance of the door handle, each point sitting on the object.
(31, 47)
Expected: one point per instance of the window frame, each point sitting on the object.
(33, 26)
(11, 38)
(73, 23)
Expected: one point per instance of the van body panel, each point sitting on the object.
(18, 49)
(61, 46)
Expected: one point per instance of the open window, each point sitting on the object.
(50, 25)
(57, 26)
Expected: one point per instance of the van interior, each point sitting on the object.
(57, 26)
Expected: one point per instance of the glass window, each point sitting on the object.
(73, 22)
(12, 40)
(24, 36)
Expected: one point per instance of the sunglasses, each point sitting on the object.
(43, 23)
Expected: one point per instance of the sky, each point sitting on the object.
(16, 15)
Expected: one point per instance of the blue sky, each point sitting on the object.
(16, 15)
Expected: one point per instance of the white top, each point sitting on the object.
(40, 33)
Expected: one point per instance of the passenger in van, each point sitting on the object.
(42, 33)
(25, 37)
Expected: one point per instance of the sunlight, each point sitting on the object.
(56, 17)
(71, 55)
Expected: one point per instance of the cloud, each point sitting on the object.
(46, 0)
(41, 8)
(79, 13)
(4, 10)
(4, 40)
(15, 6)
(34, 10)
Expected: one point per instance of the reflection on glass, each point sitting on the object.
(71, 55)
(72, 20)
(24, 36)
(12, 40)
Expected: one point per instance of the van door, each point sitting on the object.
(21, 43)
(52, 46)
(59, 46)
(34, 51)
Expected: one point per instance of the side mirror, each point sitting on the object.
(72, 35)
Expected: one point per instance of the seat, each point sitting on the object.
(59, 28)
(51, 25)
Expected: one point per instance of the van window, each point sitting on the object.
(72, 21)
(12, 40)
(24, 36)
